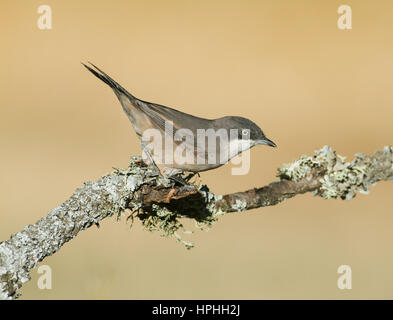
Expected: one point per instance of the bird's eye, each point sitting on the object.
(245, 132)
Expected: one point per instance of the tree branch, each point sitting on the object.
(160, 204)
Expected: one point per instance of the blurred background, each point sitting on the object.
(283, 64)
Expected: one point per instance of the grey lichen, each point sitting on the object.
(300, 168)
(88, 205)
(342, 179)
(168, 222)
(240, 205)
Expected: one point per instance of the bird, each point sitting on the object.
(184, 131)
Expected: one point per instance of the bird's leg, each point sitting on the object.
(152, 163)
(179, 179)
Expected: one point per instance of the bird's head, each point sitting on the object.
(247, 130)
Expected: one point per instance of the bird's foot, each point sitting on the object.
(178, 178)
(154, 170)
(182, 179)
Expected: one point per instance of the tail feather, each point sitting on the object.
(117, 88)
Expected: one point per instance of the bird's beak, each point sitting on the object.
(267, 142)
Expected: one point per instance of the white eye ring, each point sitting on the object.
(245, 132)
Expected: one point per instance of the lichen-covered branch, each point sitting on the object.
(325, 174)
(160, 204)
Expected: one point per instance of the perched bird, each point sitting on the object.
(236, 134)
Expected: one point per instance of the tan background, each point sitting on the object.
(283, 64)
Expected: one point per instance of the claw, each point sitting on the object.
(191, 175)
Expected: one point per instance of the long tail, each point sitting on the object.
(148, 108)
(117, 88)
